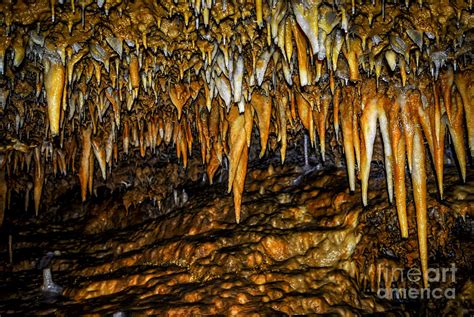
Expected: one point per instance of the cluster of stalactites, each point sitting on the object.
(82, 82)
(231, 44)
(406, 117)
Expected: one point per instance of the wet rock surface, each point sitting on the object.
(305, 245)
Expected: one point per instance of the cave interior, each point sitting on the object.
(236, 157)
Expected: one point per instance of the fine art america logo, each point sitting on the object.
(414, 276)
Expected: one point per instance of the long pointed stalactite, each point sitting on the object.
(82, 82)
(53, 84)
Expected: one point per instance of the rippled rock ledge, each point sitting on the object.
(305, 245)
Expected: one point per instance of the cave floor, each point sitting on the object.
(304, 245)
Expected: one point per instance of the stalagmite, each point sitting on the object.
(48, 284)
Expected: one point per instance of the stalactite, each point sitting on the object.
(465, 84)
(38, 179)
(348, 140)
(84, 169)
(399, 157)
(54, 80)
(238, 157)
(137, 80)
(3, 189)
(419, 193)
(263, 107)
